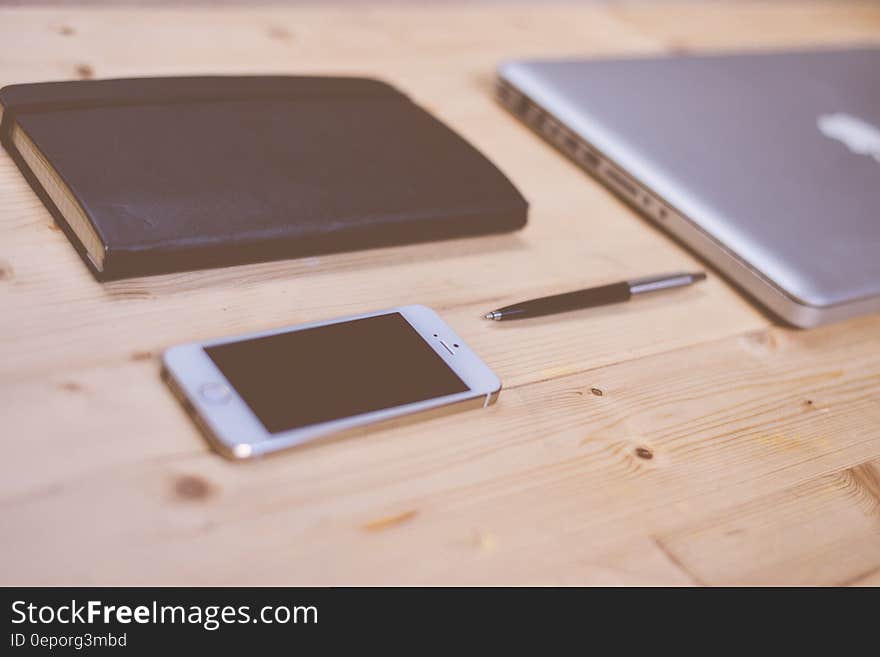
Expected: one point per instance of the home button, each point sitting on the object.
(215, 393)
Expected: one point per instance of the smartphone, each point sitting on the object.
(261, 392)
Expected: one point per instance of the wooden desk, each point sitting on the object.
(683, 439)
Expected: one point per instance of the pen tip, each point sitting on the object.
(489, 316)
(699, 276)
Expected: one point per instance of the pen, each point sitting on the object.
(594, 296)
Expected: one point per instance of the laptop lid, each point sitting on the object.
(775, 155)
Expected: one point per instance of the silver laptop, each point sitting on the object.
(767, 165)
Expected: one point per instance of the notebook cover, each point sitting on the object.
(186, 173)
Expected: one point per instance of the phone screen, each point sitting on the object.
(295, 379)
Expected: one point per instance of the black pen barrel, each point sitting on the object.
(597, 296)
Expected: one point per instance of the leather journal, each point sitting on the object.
(156, 175)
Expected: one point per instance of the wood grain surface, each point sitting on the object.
(679, 439)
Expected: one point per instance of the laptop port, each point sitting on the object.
(589, 158)
(622, 182)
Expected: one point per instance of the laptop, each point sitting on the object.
(767, 165)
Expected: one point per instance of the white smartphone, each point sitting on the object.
(258, 393)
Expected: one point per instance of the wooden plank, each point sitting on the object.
(823, 531)
(552, 477)
(63, 320)
(750, 25)
(871, 578)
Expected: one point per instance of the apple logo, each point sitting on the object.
(859, 136)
